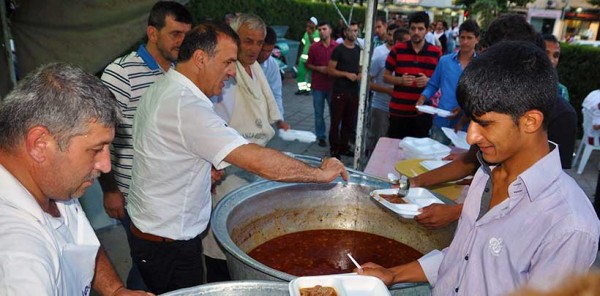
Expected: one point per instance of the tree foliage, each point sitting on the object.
(501, 3)
(487, 10)
(594, 2)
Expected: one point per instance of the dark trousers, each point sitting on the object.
(344, 108)
(168, 266)
(134, 278)
(216, 270)
(417, 126)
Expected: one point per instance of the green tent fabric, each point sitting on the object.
(90, 33)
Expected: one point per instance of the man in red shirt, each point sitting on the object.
(319, 55)
(408, 67)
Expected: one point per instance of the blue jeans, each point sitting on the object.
(319, 99)
(437, 134)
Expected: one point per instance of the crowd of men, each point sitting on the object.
(164, 124)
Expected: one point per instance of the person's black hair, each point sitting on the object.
(162, 9)
(511, 77)
(382, 19)
(445, 24)
(271, 36)
(392, 27)
(419, 17)
(470, 26)
(511, 27)
(550, 38)
(205, 37)
(399, 34)
(324, 23)
(348, 28)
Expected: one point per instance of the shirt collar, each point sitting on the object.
(543, 173)
(424, 49)
(535, 179)
(455, 54)
(16, 195)
(181, 79)
(149, 59)
(331, 43)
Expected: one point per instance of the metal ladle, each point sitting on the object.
(403, 183)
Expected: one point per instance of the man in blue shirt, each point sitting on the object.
(271, 67)
(445, 79)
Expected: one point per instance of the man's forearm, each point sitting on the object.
(106, 280)
(273, 165)
(322, 69)
(382, 88)
(336, 73)
(464, 165)
(391, 79)
(409, 273)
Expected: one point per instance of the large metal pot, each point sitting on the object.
(236, 288)
(263, 210)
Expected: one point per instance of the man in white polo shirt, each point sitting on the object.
(55, 129)
(177, 139)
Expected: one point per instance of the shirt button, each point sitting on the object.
(467, 257)
(456, 290)
(487, 190)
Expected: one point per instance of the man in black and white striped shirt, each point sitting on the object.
(128, 78)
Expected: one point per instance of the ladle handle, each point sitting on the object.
(403, 185)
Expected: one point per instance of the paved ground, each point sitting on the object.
(299, 113)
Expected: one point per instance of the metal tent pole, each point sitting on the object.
(7, 48)
(339, 13)
(362, 103)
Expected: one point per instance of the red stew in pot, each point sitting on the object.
(318, 252)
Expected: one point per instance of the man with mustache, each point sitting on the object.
(55, 130)
(247, 103)
(170, 198)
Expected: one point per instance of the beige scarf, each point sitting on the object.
(255, 108)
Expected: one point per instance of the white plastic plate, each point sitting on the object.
(426, 148)
(433, 110)
(421, 197)
(345, 284)
(459, 139)
(406, 211)
(302, 136)
(433, 164)
(416, 199)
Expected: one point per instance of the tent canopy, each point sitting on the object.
(90, 33)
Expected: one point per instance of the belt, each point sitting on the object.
(149, 237)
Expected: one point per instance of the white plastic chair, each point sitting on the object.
(588, 143)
